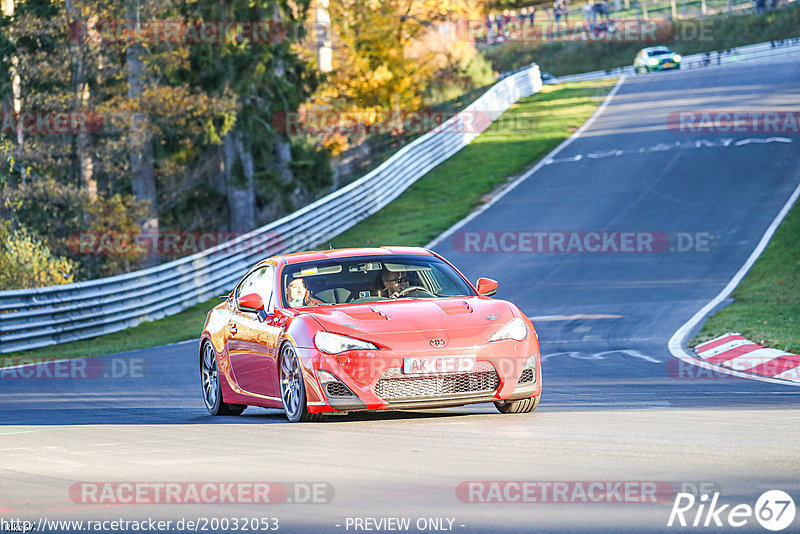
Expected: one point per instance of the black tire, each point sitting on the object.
(293, 388)
(518, 406)
(212, 389)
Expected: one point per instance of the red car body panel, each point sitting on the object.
(248, 347)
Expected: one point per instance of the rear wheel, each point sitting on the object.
(293, 389)
(518, 406)
(212, 388)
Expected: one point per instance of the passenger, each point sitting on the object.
(298, 294)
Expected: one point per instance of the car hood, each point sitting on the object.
(415, 319)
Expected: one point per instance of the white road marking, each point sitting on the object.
(541, 318)
(604, 355)
(663, 147)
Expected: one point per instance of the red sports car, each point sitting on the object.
(366, 329)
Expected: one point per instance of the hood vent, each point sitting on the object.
(455, 308)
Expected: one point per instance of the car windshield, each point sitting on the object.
(660, 52)
(370, 279)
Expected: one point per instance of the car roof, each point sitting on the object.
(312, 255)
(657, 49)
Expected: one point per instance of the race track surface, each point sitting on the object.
(613, 407)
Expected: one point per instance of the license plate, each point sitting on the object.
(669, 64)
(434, 365)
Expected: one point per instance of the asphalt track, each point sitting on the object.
(612, 409)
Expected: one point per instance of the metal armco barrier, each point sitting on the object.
(705, 59)
(32, 318)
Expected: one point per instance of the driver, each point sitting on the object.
(394, 282)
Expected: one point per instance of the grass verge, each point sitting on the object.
(766, 307)
(526, 132)
(719, 32)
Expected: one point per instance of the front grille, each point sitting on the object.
(526, 376)
(394, 385)
(337, 389)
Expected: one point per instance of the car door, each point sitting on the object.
(253, 337)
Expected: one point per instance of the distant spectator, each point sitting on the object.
(532, 15)
(557, 12)
(588, 9)
(606, 9)
(617, 5)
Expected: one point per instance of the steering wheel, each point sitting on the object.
(409, 289)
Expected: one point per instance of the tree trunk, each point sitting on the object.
(239, 183)
(82, 171)
(140, 138)
(16, 88)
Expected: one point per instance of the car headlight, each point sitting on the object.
(516, 330)
(676, 58)
(653, 61)
(336, 344)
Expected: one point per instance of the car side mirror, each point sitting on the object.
(251, 302)
(487, 286)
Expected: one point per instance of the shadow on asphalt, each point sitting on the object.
(604, 395)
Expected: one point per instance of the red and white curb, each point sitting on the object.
(677, 343)
(735, 352)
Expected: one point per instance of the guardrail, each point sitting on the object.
(32, 318)
(704, 59)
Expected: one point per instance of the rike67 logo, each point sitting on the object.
(774, 510)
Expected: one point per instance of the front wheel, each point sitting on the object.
(293, 389)
(212, 389)
(518, 406)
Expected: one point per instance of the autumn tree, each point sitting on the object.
(265, 175)
(384, 60)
